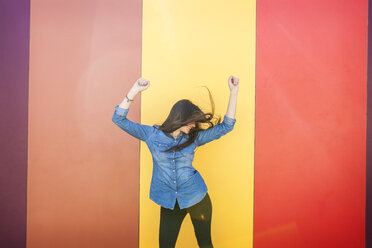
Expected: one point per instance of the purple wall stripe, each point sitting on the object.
(14, 57)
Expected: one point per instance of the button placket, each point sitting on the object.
(174, 162)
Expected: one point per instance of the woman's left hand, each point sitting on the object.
(233, 83)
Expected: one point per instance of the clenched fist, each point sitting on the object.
(233, 83)
(141, 84)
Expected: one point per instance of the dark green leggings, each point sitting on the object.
(171, 220)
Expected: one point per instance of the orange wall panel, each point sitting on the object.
(83, 172)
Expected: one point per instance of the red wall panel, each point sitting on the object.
(310, 124)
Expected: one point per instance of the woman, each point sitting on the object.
(176, 185)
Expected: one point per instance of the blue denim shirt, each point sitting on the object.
(173, 175)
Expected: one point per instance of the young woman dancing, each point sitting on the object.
(176, 186)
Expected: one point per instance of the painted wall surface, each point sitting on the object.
(368, 225)
(14, 43)
(292, 173)
(187, 45)
(310, 124)
(83, 172)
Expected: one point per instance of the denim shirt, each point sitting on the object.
(173, 175)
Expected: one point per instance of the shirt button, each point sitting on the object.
(174, 181)
(174, 170)
(173, 160)
(176, 192)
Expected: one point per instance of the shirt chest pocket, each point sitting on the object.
(160, 146)
(189, 149)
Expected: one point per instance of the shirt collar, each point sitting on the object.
(169, 135)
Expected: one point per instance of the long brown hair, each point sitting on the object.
(184, 112)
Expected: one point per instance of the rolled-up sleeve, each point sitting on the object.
(213, 133)
(139, 131)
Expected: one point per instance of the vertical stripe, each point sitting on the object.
(310, 124)
(83, 169)
(14, 43)
(187, 44)
(368, 226)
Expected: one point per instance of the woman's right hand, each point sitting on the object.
(141, 84)
(233, 83)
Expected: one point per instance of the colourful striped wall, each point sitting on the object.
(293, 173)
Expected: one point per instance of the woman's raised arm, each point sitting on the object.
(140, 85)
(137, 130)
(234, 87)
(229, 120)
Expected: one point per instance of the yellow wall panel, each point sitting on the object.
(187, 44)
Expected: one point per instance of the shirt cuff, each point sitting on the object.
(121, 111)
(229, 121)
